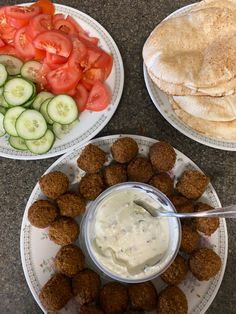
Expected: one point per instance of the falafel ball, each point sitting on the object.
(114, 298)
(86, 285)
(90, 309)
(163, 182)
(172, 300)
(63, 231)
(182, 204)
(71, 205)
(140, 170)
(115, 174)
(42, 213)
(56, 293)
(54, 184)
(124, 150)
(205, 225)
(69, 260)
(192, 184)
(91, 159)
(143, 296)
(162, 156)
(91, 185)
(204, 264)
(134, 312)
(177, 271)
(190, 239)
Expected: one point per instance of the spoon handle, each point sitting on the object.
(225, 212)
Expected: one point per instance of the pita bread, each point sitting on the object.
(230, 4)
(196, 50)
(208, 108)
(221, 130)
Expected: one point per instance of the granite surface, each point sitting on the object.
(129, 22)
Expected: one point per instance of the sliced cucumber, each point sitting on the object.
(17, 91)
(28, 103)
(3, 74)
(10, 120)
(17, 143)
(63, 109)
(42, 145)
(40, 98)
(44, 110)
(3, 110)
(1, 90)
(62, 129)
(31, 125)
(2, 129)
(13, 65)
(3, 102)
(30, 70)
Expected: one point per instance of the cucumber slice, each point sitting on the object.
(63, 109)
(2, 129)
(44, 111)
(3, 74)
(3, 110)
(12, 64)
(40, 98)
(28, 103)
(30, 70)
(3, 102)
(1, 90)
(17, 143)
(31, 125)
(10, 120)
(17, 91)
(42, 145)
(62, 129)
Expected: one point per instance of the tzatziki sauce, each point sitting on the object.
(127, 240)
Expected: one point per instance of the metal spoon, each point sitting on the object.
(224, 212)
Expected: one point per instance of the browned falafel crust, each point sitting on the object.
(91, 185)
(163, 182)
(56, 292)
(71, 205)
(143, 296)
(182, 204)
(115, 174)
(162, 156)
(54, 184)
(90, 309)
(177, 271)
(172, 300)
(42, 213)
(140, 170)
(63, 231)
(205, 225)
(124, 150)
(190, 239)
(91, 159)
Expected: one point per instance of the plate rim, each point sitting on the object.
(181, 129)
(114, 105)
(104, 138)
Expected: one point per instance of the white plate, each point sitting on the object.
(91, 123)
(160, 100)
(37, 251)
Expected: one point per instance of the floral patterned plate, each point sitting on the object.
(37, 251)
(161, 101)
(91, 123)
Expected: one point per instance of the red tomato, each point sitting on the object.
(76, 56)
(64, 26)
(92, 56)
(9, 50)
(39, 24)
(81, 97)
(22, 12)
(78, 28)
(54, 59)
(2, 44)
(104, 62)
(39, 54)
(88, 40)
(54, 42)
(7, 32)
(57, 17)
(63, 79)
(99, 97)
(17, 23)
(22, 44)
(46, 6)
(88, 86)
(91, 76)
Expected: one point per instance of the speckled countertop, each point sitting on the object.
(129, 23)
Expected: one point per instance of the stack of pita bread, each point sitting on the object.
(192, 57)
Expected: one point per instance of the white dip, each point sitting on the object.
(127, 240)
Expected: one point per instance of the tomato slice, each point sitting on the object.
(54, 59)
(17, 23)
(99, 97)
(54, 42)
(77, 56)
(87, 40)
(9, 50)
(46, 6)
(63, 79)
(81, 97)
(39, 54)
(23, 45)
(58, 16)
(22, 12)
(105, 62)
(39, 24)
(92, 56)
(91, 76)
(76, 25)
(2, 44)
(65, 26)
(7, 32)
